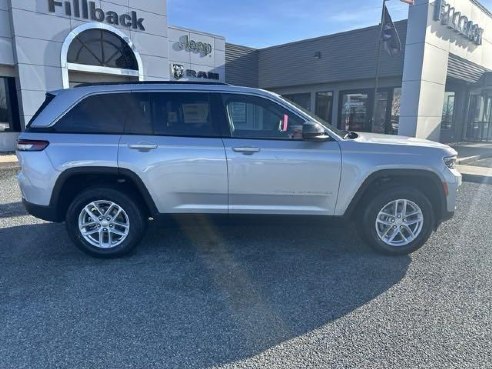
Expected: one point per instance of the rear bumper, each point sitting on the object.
(48, 213)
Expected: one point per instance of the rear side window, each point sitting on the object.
(108, 113)
(48, 99)
(184, 114)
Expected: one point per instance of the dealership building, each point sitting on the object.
(439, 87)
(52, 44)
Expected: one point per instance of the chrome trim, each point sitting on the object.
(66, 66)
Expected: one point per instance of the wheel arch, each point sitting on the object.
(426, 181)
(74, 180)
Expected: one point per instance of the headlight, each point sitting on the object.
(450, 162)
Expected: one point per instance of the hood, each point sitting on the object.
(382, 139)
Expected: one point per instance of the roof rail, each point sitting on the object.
(152, 83)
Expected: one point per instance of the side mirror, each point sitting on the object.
(314, 132)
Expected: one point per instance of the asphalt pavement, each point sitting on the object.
(248, 293)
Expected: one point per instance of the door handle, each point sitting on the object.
(142, 146)
(246, 150)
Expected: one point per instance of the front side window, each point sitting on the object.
(184, 114)
(258, 118)
(108, 113)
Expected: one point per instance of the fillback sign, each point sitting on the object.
(457, 21)
(85, 9)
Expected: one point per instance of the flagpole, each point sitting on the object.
(378, 62)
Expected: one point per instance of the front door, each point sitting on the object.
(479, 126)
(272, 170)
(172, 142)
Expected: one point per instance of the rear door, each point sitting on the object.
(172, 142)
(272, 170)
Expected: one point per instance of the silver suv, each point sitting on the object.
(107, 158)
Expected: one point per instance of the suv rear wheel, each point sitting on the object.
(397, 221)
(104, 222)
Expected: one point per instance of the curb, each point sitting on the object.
(9, 166)
(475, 174)
(475, 178)
(471, 159)
(8, 161)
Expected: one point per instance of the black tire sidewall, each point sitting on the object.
(381, 199)
(134, 213)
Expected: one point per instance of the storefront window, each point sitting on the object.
(324, 105)
(379, 125)
(9, 115)
(303, 100)
(395, 111)
(480, 118)
(448, 110)
(355, 111)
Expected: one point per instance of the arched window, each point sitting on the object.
(98, 52)
(101, 48)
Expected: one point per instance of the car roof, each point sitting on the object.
(84, 89)
(65, 99)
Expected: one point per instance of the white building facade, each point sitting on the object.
(52, 44)
(437, 31)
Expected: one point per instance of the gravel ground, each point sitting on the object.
(269, 293)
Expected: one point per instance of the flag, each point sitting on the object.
(389, 35)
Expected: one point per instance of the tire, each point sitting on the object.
(380, 221)
(124, 222)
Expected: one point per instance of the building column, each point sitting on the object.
(424, 75)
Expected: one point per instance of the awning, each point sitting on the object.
(465, 70)
(486, 80)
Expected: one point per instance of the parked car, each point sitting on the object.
(105, 158)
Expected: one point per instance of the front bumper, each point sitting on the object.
(453, 181)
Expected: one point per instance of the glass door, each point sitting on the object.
(479, 126)
(447, 121)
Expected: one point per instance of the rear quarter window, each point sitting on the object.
(108, 114)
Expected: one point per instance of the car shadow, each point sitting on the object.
(197, 292)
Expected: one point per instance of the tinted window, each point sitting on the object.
(109, 113)
(254, 117)
(183, 114)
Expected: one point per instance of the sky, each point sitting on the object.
(262, 23)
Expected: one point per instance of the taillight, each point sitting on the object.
(31, 145)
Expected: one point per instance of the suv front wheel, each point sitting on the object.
(104, 222)
(397, 221)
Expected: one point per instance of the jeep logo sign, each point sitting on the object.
(87, 10)
(197, 47)
(455, 20)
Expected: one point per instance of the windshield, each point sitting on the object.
(313, 117)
